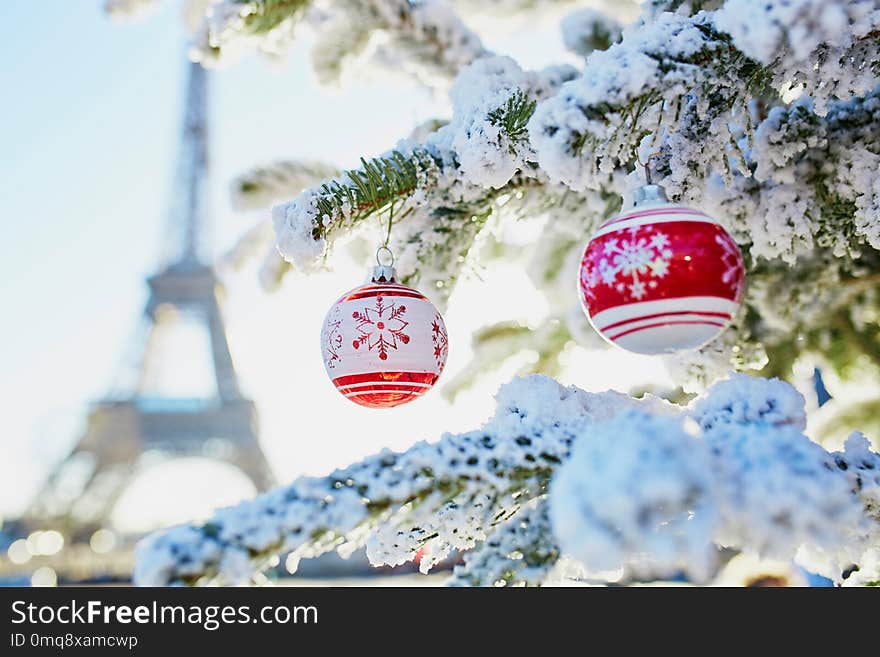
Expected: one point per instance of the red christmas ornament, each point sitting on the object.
(384, 344)
(660, 277)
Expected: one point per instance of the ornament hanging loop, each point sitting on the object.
(383, 253)
(647, 165)
(384, 272)
(649, 193)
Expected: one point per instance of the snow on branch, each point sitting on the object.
(636, 87)
(795, 182)
(693, 75)
(794, 146)
(637, 485)
(261, 186)
(806, 182)
(521, 552)
(428, 32)
(586, 30)
(130, 10)
(830, 47)
(638, 494)
(303, 226)
(465, 482)
(442, 190)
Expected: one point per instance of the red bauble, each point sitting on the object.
(661, 278)
(384, 344)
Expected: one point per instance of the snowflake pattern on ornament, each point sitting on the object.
(637, 260)
(381, 327)
(440, 340)
(733, 272)
(333, 339)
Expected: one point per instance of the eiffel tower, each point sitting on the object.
(137, 423)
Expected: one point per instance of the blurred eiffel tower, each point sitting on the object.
(140, 422)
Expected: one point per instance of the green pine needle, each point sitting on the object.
(265, 15)
(514, 116)
(359, 193)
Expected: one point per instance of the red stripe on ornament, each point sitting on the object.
(654, 213)
(387, 292)
(659, 324)
(384, 287)
(384, 378)
(669, 314)
(383, 399)
(367, 393)
(378, 382)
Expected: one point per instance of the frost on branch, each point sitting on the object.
(744, 400)
(130, 9)
(634, 485)
(521, 552)
(442, 190)
(637, 494)
(264, 185)
(593, 124)
(427, 33)
(791, 181)
(829, 47)
(643, 494)
(792, 152)
(781, 494)
(780, 491)
(472, 481)
(861, 467)
(586, 30)
(490, 109)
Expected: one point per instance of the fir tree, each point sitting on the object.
(764, 113)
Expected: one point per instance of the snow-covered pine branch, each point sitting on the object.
(638, 486)
(427, 33)
(442, 190)
(125, 10)
(521, 552)
(790, 182)
(260, 187)
(763, 113)
(474, 479)
(586, 30)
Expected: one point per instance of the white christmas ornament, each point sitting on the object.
(383, 343)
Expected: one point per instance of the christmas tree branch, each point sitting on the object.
(652, 497)
(125, 10)
(522, 552)
(637, 87)
(232, 27)
(443, 190)
(587, 30)
(264, 185)
(261, 16)
(428, 32)
(511, 457)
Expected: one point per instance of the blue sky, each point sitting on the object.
(89, 126)
(90, 122)
(80, 184)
